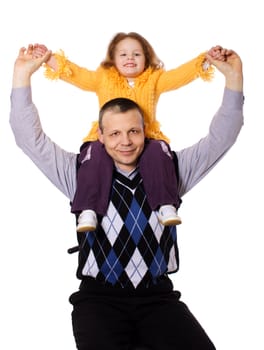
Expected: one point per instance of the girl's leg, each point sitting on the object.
(94, 179)
(158, 172)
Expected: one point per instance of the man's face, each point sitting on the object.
(123, 137)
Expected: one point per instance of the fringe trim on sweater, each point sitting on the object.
(63, 68)
(205, 71)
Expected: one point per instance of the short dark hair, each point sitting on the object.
(119, 105)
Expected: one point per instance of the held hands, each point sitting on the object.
(39, 50)
(229, 64)
(31, 58)
(26, 64)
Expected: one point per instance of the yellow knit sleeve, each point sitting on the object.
(73, 74)
(62, 70)
(184, 74)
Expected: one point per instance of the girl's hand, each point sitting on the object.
(39, 50)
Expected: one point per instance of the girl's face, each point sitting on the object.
(129, 58)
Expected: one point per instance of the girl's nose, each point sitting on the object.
(130, 56)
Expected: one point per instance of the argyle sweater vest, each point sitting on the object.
(130, 247)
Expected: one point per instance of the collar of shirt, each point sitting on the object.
(129, 174)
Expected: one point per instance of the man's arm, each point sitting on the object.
(58, 165)
(196, 161)
(25, 65)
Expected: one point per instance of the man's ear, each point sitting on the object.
(100, 135)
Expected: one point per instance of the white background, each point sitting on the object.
(220, 240)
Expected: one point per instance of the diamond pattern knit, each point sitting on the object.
(130, 247)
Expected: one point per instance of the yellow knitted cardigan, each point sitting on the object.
(107, 83)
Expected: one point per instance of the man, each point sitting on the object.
(125, 296)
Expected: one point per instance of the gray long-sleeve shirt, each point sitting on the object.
(60, 166)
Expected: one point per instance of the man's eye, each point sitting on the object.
(115, 133)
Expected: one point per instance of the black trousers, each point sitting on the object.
(105, 318)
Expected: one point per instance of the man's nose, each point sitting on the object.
(125, 139)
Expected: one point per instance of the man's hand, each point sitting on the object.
(229, 63)
(26, 65)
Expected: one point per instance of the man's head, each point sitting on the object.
(121, 130)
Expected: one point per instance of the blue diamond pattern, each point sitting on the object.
(159, 264)
(136, 221)
(111, 268)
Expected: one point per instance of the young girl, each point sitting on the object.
(131, 69)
